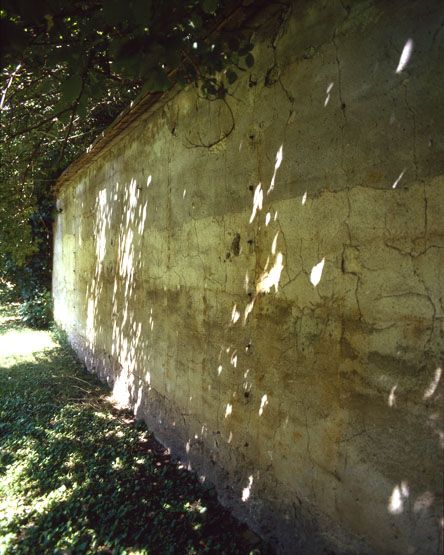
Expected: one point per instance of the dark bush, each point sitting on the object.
(36, 312)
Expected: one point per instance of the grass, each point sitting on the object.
(79, 476)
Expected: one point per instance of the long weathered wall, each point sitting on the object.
(261, 277)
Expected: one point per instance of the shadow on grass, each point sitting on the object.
(79, 476)
(9, 317)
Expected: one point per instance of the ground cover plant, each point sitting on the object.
(79, 476)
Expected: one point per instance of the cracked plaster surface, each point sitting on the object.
(316, 393)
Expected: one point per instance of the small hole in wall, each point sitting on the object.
(246, 394)
(246, 444)
(251, 188)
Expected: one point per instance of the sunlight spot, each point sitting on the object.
(395, 503)
(433, 384)
(257, 201)
(271, 279)
(235, 315)
(194, 45)
(404, 489)
(275, 216)
(274, 244)
(188, 446)
(148, 181)
(247, 491)
(279, 157)
(141, 226)
(117, 463)
(248, 310)
(246, 372)
(405, 55)
(230, 437)
(219, 369)
(267, 218)
(264, 403)
(184, 193)
(240, 146)
(304, 198)
(327, 98)
(228, 410)
(397, 498)
(392, 397)
(398, 179)
(316, 272)
(247, 282)
(233, 359)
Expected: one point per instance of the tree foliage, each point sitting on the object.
(69, 67)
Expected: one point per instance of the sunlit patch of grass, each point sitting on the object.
(79, 476)
(23, 344)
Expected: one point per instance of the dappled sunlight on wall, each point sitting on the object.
(267, 295)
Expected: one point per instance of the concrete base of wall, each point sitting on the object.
(289, 528)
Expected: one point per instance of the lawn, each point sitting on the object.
(79, 476)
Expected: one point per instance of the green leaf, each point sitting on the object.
(196, 20)
(249, 60)
(142, 12)
(115, 11)
(82, 106)
(233, 43)
(157, 81)
(234, 57)
(14, 39)
(245, 48)
(209, 6)
(33, 11)
(71, 88)
(231, 76)
(129, 67)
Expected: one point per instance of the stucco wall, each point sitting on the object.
(272, 305)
